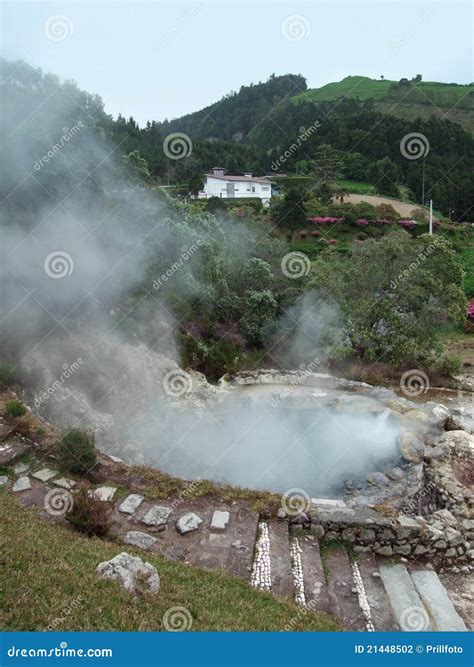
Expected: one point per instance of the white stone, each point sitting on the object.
(131, 503)
(328, 501)
(3, 480)
(64, 483)
(156, 516)
(189, 521)
(104, 493)
(22, 484)
(220, 520)
(132, 573)
(115, 459)
(139, 539)
(45, 474)
(20, 468)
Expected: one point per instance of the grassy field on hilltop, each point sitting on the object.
(365, 88)
(49, 581)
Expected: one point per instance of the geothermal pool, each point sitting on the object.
(265, 439)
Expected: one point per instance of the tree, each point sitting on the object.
(385, 175)
(395, 295)
(290, 211)
(259, 311)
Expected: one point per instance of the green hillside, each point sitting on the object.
(364, 88)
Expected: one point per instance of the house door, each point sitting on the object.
(230, 190)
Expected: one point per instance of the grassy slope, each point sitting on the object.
(48, 573)
(364, 88)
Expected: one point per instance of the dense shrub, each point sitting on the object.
(78, 451)
(15, 408)
(89, 514)
(213, 358)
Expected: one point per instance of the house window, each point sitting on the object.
(253, 188)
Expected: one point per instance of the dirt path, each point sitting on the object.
(402, 208)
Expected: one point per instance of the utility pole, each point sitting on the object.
(431, 217)
(423, 182)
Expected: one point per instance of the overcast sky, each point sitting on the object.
(157, 60)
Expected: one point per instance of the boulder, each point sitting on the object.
(132, 572)
(459, 442)
(20, 469)
(188, 522)
(384, 551)
(411, 447)
(3, 480)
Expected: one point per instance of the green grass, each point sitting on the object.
(357, 187)
(48, 573)
(364, 88)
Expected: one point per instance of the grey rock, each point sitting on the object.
(367, 535)
(281, 514)
(131, 503)
(450, 553)
(396, 474)
(3, 480)
(407, 527)
(378, 479)
(132, 572)
(348, 535)
(188, 522)
(156, 516)
(403, 596)
(453, 537)
(22, 484)
(402, 549)
(420, 550)
(435, 453)
(440, 544)
(45, 474)
(446, 517)
(384, 551)
(219, 520)
(20, 468)
(138, 539)
(64, 483)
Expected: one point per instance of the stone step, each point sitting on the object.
(404, 599)
(315, 586)
(280, 560)
(381, 610)
(433, 594)
(343, 598)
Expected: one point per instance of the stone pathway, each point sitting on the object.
(371, 593)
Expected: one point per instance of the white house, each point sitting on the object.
(226, 186)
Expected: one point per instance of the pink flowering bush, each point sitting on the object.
(362, 222)
(407, 224)
(470, 309)
(383, 221)
(324, 219)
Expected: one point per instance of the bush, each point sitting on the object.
(6, 375)
(447, 365)
(15, 408)
(89, 514)
(78, 451)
